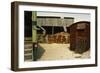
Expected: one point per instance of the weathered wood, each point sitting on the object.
(80, 36)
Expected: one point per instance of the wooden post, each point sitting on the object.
(34, 34)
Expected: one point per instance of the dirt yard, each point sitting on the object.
(60, 52)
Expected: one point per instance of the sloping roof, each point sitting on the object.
(80, 22)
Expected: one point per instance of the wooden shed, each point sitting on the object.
(80, 36)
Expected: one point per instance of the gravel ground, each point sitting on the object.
(60, 52)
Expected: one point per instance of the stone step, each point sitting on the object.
(27, 54)
(28, 49)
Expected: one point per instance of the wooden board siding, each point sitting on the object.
(80, 37)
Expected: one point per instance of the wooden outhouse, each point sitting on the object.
(80, 36)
